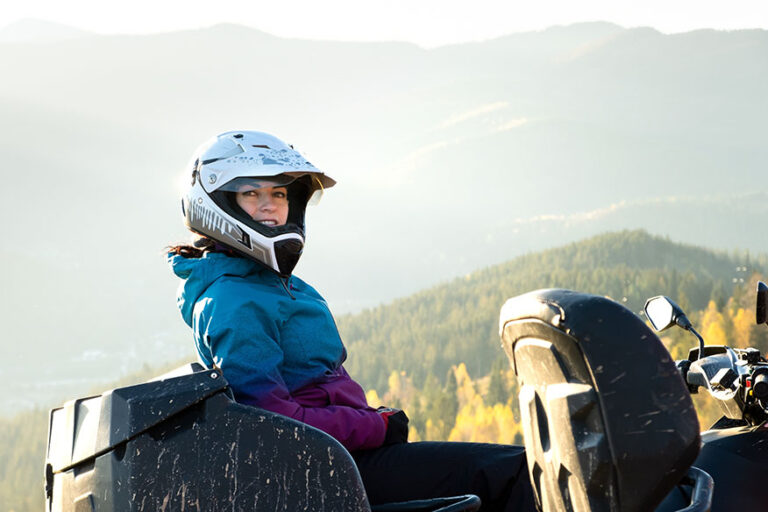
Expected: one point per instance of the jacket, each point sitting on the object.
(276, 343)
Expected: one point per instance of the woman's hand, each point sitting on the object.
(397, 425)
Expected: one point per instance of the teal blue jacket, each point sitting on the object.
(276, 343)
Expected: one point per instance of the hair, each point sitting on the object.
(199, 247)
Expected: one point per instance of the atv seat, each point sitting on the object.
(180, 442)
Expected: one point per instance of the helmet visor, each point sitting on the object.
(257, 182)
(316, 188)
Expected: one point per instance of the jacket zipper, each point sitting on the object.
(285, 287)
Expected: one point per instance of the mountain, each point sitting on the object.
(30, 30)
(448, 160)
(457, 321)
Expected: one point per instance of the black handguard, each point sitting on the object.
(397, 428)
(684, 365)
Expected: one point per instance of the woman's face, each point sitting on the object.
(266, 204)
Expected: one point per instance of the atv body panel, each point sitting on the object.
(182, 443)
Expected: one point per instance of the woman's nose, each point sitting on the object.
(268, 203)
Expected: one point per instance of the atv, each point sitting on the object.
(607, 416)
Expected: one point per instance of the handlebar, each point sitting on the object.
(760, 385)
(465, 503)
(703, 488)
(695, 377)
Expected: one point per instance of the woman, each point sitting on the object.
(275, 340)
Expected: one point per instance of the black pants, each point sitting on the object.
(498, 474)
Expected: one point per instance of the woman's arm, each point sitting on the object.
(355, 428)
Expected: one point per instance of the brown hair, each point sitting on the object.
(199, 247)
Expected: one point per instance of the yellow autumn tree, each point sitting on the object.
(742, 325)
(402, 394)
(465, 388)
(480, 423)
(372, 397)
(676, 350)
(713, 325)
(477, 422)
(434, 430)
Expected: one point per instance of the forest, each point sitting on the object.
(434, 330)
(436, 354)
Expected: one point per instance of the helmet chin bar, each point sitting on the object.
(287, 253)
(282, 259)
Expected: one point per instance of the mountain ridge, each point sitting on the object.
(460, 317)
(37, 31)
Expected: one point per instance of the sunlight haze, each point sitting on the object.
(427, 23)
(455, 150)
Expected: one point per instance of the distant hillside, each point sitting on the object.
(30, 30)
(458, 321)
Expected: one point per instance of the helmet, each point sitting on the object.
(239, 161)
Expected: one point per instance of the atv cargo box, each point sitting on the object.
(182, 443)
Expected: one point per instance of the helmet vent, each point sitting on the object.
(260, 146)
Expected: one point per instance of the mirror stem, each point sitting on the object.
(701, 341)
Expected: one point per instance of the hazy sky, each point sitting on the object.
(425, 22)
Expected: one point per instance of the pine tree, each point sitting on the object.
(497, 388)
(718, 295)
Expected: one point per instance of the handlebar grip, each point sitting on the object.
(696, 378)
(760, 385)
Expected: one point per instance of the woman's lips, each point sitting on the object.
(268, 222)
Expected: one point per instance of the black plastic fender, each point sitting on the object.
(607, 419)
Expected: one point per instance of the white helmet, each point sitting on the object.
(234, 161)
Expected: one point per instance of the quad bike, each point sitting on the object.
(607, 417)
(608, 421)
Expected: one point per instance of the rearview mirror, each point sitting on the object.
(761, 310)
(659, 312)
(663, 313)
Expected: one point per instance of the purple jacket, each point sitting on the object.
(336, 406)
(276, 344)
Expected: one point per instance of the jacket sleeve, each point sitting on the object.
(243, 340)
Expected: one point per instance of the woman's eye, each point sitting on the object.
(279, 195)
